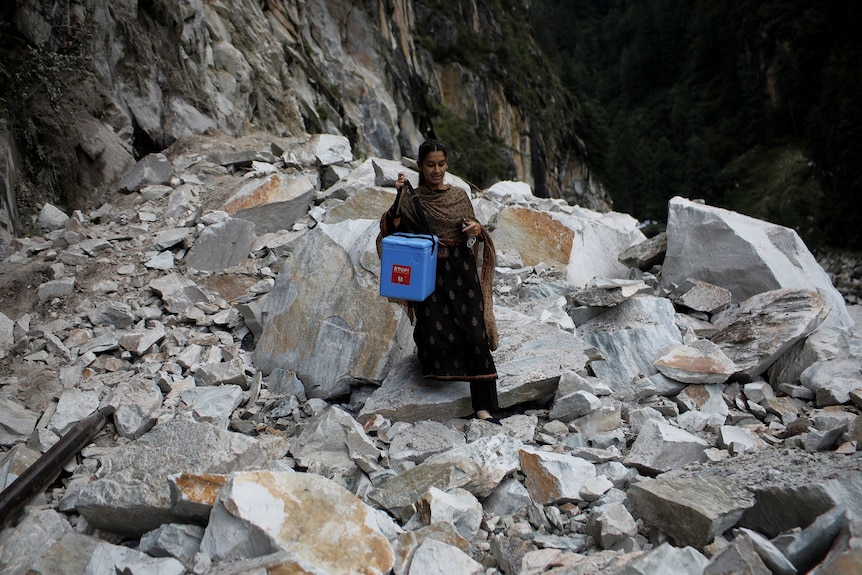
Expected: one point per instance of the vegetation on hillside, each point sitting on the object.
(503, 48)
(752, 106)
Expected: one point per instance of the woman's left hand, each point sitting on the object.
(472, 228)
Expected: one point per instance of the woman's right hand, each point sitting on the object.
(399, 183)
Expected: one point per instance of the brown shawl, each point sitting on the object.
(445, 209)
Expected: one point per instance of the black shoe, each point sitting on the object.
(493, 420)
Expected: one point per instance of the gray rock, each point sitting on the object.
(16, 461)
(775, 257)
(793, 493)
(602, 426)
(151, 169)
(108, 558)
(594, 488)
(225, 373)
(173, 237)
(282, 382)
(660, 447)
(7, 334)
(117, 314)
(699, 362)
(272, 204)
(330, 149)
(333, 444)
(772, 557)
(701, 296)
(455, 506)
(738, 557)
(94, 245)
(74, 405)
(574, 405)
(421, 441)
(131, 496)
(478, 467)
(362, 335)
(600, 238)
(769, 323)
(71, 555)
(611, 524)
(139, 402)
(213, 405)
(692, 511)
(706, 399)
(828, 341)
(34, 535)
(508, 498)
(572, 381)
(645, 254)
(431, 554)
(667, 560)
(51, 217)
(833, 380)
(16, 422)
(608, 293)
(222, 245)
(517, 555)
(55, 289)
(177, 540)
(177, 292)
(139, 342)
(736, 439)
(240, 158)
(806, 548)
(634, 344)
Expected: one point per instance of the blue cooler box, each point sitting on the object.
(408, 266)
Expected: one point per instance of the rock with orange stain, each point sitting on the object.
(131, 495)
(315, 520)
(553, 478)
(273, 203)
(699, 362)
(537, 237)
(193, 494)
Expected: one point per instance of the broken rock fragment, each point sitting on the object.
(692, 511)
(661, 447)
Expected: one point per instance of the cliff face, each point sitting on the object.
(94, 85)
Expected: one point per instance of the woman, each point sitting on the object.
(454, 328)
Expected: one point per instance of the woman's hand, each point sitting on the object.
(399, 183)
(471, 228)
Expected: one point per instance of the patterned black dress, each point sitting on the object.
(450, 328)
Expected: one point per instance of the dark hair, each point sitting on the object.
(426, 148)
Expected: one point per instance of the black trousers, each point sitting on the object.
(483, 394)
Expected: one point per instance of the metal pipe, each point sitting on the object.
(47, 468)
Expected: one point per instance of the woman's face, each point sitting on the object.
(434, 169)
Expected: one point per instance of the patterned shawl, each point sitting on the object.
(445, 209)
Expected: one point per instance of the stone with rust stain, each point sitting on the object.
(313, 518)
(536, 236)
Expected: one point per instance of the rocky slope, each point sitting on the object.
(93, 86)
(681, 404)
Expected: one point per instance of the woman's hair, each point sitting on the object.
(426, 148)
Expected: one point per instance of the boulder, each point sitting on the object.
(710, 244)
